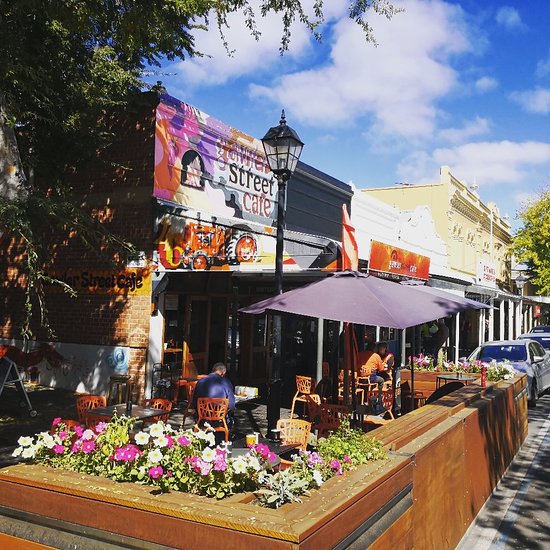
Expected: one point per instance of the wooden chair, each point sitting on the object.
(304, 386)
(85, 403)
(330, 417)
(313, 404)
(293, 432)
(213, 410)
(387, 398)
(359, 389)
(161, 405)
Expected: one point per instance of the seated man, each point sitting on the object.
(217, 385)
(377, 369)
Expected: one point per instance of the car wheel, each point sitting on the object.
(534, 395)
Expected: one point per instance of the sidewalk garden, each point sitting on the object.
(189, 461)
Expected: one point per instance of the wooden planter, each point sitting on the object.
(444, 461)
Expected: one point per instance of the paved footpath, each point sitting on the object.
(517, 515)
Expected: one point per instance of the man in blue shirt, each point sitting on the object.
(217, 385)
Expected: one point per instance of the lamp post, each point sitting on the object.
(521, 279)
(282, 148)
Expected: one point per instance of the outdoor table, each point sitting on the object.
(444, 378)
(137, 412)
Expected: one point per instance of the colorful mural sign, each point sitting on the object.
(129, 281)
(206, 165)
(186, 241)
(390, 259)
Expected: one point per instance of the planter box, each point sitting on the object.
(450, 456)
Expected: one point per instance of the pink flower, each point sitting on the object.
(182, 440)
(155, 472)
(220, 465)
(205, 468)
(88, 435)
(347, 459)
(76, 446)
(88, 446)
(56, 421)
(127, 454)
(62, 435)
(336, 466)
(58, 449)
(78, 430)
(100, 427)
(170, 443)
(271, 457)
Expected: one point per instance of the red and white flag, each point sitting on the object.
(350, 252)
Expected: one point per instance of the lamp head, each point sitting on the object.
(282, 148)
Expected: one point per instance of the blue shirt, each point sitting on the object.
(215, 385)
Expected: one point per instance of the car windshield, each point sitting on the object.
(501, 352)
(540, 328)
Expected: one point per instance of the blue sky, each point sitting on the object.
(464, 84)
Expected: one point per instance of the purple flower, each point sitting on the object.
(78, 430)
(347, 459)
(58, 449)
(336, 466)
(182, 440)
(155, 472)
(271, 457)
(88, 446)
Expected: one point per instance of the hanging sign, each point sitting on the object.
(391, 259)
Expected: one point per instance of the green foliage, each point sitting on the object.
(349, 444)
(531, 244)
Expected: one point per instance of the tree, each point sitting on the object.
(531, 243)
(63, 63)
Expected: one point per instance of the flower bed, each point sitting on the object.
(189, 461)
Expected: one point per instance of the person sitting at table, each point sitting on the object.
(324, 387)
(376, 368)
(217, 385)
(363, 357)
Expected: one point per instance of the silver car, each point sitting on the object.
(526, 356)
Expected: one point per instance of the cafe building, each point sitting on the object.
(199, 202)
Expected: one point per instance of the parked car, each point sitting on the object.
(543, 338)
(525, 356)
(540, 328)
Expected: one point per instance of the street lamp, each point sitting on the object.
(282, 148)
(521, 279)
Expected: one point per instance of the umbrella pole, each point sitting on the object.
(345, 393)
(352, 365)
(413, 349)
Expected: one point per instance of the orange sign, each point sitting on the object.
(129, 281)
(390, 259)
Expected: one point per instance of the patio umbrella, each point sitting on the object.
(363, 299)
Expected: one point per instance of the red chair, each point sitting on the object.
(86, 403)
(161, 405)
(213, 410)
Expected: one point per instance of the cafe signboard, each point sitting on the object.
(486, 274)
(386, 258)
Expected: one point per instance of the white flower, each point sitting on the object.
(17, 451)
(317, 477)
(24, 441)
(142, 438)
(88, 435)
(239, 465)
(254, 463)
(161, 441)
(157, 429)
(48, 440)
(209, 454)
(155, 456)
(28, 452)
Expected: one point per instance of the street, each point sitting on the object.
(517, 515)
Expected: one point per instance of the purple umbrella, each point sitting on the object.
(449, 296)
(354, 297)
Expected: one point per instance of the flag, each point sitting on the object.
(350, 252)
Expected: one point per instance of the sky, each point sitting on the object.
(458, 83)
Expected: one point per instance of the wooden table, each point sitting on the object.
(137, 412)
(454, 376)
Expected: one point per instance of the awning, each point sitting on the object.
(479, 290)
(449, 296)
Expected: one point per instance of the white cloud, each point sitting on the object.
(476, 127)
(533, 101)
(503, 162)
(485, 84)
(543, 67)
(509, 18)
(249, 56)
(398, 83)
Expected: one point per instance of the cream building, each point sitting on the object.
(476, 241)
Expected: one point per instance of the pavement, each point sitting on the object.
(517, 514)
